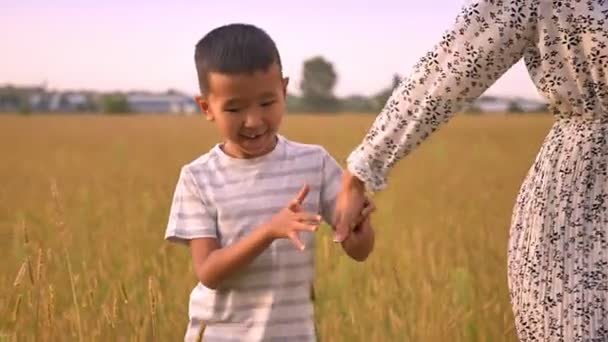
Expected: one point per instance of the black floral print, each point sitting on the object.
(558, 246)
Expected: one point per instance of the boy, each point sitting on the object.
(248, 207)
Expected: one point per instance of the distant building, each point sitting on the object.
(72, 101)
(40, 99)
(493, 104)
(531, 105)
(18, 99)
(170, 102)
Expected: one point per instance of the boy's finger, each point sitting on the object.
(294, 206)
(295, 239)
(308, 226)
(308, 217)
(302, 194)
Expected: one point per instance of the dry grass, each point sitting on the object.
(84, 202)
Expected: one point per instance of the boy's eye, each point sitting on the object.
(268, 103)
(232, 110)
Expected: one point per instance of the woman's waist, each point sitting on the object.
(580, 113)
(582, 121)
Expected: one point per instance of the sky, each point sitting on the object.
(149, 45)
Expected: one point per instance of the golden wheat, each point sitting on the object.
(84, 203)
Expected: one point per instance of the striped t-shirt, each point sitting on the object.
(221, 197)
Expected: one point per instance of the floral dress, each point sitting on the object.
(558, 245)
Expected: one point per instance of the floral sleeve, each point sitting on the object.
(487, 38)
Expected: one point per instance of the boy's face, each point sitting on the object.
(247, 109)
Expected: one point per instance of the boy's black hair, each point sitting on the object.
(234, 49)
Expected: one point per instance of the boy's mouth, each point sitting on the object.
(250, 136)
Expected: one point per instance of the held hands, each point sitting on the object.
(361, 239)
(292, 220)
(350, 206)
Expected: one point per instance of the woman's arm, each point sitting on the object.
(487, 38)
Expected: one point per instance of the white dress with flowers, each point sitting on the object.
(558, 248)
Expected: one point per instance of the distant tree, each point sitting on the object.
(544, 108)
(63, 101)
(358, 104)
(396, 80)
(115, 104)
(514, 107)
(382, 97)
(11, 99)
(90, 104)
(294, 104)
(24, 106)
(472, 108)
(318, 81)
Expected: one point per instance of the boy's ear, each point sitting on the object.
(285, 84)
(203, 104)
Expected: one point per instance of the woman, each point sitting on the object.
(558, 246)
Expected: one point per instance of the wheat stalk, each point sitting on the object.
(115, 308)
(152, 299)
(74, 297)
(40, 265)
(16, 308)
(26, 238)
(59, 222)
(123, 292)
(51, 306)
(91, 296)
(89, 292)
(36, 281)
(30, 270)
(108, 316)
(20, 274)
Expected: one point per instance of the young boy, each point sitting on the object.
(248, 208)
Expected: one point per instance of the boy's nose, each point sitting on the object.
(253, 120)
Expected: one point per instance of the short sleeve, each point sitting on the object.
(331, 173)
(190, 216)
(487, 38)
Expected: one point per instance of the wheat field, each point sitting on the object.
(84, 203)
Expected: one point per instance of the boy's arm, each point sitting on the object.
(213, 263)
(193, 221)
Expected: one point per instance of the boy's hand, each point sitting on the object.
(360, 242)
(368, 208)
(296, 204)
(291, 220)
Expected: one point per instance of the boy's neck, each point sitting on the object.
(245, 156)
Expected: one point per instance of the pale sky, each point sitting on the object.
(136, 44)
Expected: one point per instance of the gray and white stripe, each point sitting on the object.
(220, 197)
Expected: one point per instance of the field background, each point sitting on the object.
(84, 203)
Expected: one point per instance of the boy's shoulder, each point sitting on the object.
(206, 162)
(300, 148)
